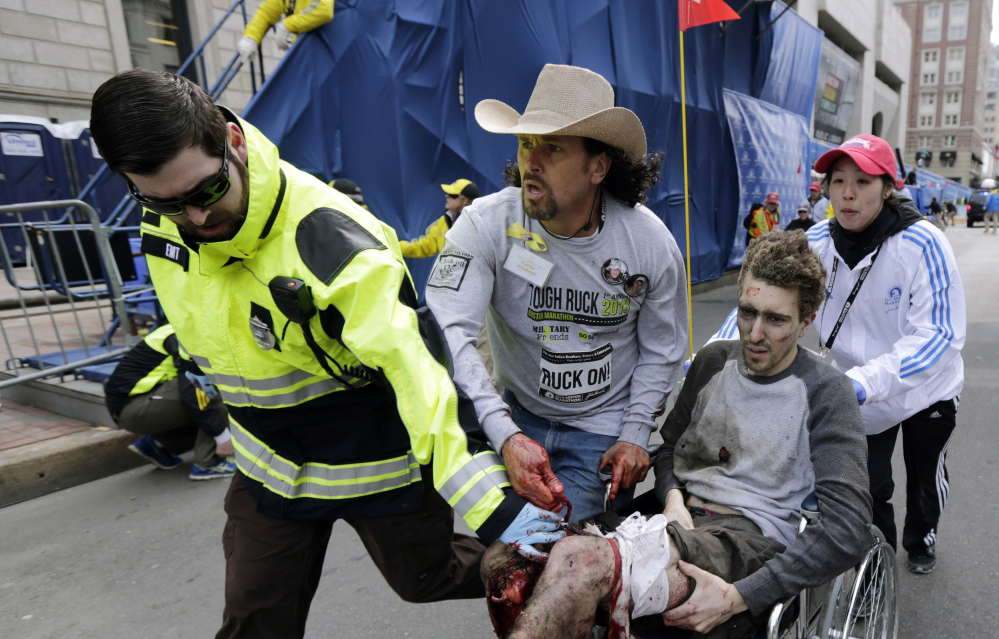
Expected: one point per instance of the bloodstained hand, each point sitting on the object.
(531, 473)
(630, 462)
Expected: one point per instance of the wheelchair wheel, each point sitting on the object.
(864, 602)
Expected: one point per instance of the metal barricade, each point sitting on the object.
(64, 309)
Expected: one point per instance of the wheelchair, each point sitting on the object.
(860, 603)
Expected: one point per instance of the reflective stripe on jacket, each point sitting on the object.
(146, 366)
(314, 446)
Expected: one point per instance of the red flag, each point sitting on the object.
(694, 13)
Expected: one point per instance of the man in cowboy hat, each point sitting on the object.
(584, 288)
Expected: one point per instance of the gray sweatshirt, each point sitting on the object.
(782, 436)
(576, 348)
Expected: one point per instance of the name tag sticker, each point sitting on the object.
(528, 265)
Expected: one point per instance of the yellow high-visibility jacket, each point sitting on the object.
(763, 221)
(310, 445)
(430, 243)
(299, 16)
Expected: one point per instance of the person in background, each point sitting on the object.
(819, 203)
(804, 220)
(156, 393)
(992, 211)
(351, 189)
(950, 212)
(457, 196)
(762, 218)
(288, 17)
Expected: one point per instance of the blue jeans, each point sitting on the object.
(574, 456)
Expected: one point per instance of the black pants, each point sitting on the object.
(273, 564)
(925, 437)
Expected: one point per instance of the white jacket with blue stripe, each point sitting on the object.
(903, 335)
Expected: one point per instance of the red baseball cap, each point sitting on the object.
(872, 154)
(773, 197)
(815, 187)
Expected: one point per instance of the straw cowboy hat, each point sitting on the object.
(569, 100)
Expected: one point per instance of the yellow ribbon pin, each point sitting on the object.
(534, 241)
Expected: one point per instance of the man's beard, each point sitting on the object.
(534, 209)
(232, 219)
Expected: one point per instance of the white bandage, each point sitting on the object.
(247, 48)
(644, 546)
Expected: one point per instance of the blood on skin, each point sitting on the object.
(753, 291)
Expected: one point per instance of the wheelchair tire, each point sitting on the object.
(863, 602)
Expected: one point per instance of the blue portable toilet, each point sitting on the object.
(32, 168)
(109, 189)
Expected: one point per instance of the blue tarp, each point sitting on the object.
(771, 147)
(384, 94)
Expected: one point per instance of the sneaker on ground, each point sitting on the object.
(154, 453)
(923, 563)
(222, 468)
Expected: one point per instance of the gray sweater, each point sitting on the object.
(577, 349)
(784, 435)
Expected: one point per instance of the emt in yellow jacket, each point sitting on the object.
(457, 196)
(288, 17)
(297, 304)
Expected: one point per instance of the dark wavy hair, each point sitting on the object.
(142, 119)
(626, 180)
(784, 259)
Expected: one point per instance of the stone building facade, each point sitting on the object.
(55, 53)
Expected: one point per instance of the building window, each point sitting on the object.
(952, 97)
(951, 119)
(928, 98)
(991, 95)
(158, 34)
(955, 54)
(955, 77)
(990, 107)
(930, 55)
(926, 141)
(926, 121)
(929, 78)
(933, 12)
(931, 35)
(950, 140)
(957, 32)
(958, 11)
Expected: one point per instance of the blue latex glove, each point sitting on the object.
(686, 368)
(202, 383)
(859, 390)
(533, 526)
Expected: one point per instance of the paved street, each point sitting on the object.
(139, 554)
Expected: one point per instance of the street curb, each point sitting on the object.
(44, 467)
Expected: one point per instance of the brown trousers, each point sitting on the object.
(273, 564)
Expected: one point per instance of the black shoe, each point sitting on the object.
(923, 563)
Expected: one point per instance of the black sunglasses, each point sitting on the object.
(209, 192)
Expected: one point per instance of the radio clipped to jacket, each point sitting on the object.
(294, 299)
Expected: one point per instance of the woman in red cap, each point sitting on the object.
(894, 322)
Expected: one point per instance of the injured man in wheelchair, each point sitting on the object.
(758, 425)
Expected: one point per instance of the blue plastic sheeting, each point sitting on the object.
(771, 148)
(794, 62)
(376, 95)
